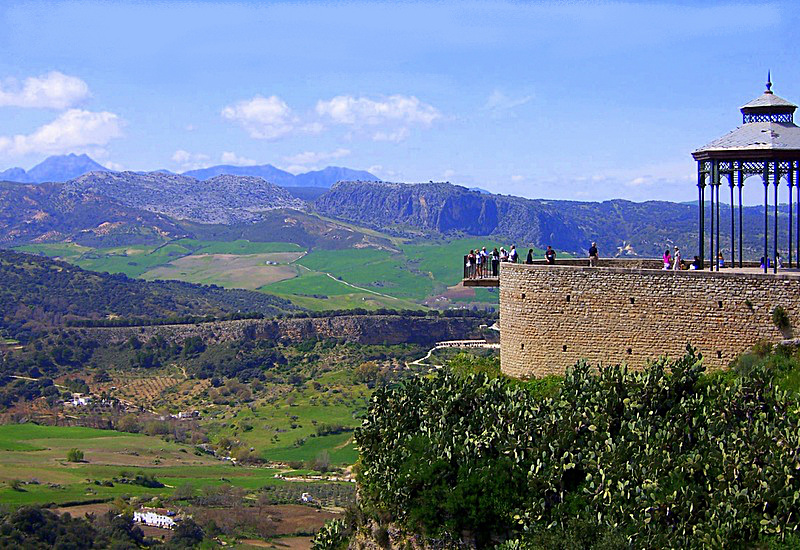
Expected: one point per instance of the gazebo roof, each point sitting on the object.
(768, 127)
(768, 99)
(757, 136)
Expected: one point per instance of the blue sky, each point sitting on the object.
(585, 101)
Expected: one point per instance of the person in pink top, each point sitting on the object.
(667, 259)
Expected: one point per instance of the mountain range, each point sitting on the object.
(55, 168)
(60, 168)
(119, 208)
(619, 227)
(222, 199)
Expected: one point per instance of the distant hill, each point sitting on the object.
(48, 212)
(37, 292)
(116, 209)
(265, 171)
(222, 199)
(319, 178)
(618, 226)
(330, 175)
(54, 169)
(60, 168)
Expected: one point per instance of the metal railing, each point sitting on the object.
(485, 268)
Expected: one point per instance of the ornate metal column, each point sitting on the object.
(740, 185)
(715, 207)
(733, 222)
(765, 177)
(790, 184)
(701, 209)
(713, 171)
(719, 221)
(776, 178)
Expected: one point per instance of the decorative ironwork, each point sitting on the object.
(747, 118)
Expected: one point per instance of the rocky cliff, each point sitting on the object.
(619, 227)
(358, 329)
(44, 212)
(223, 199)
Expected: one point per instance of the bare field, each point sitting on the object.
(248, 271)
(82, 510)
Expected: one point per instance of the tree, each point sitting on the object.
(128, 423)
(323, 461)
(187, 534)
(75, 455)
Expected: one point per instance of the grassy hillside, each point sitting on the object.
(37, 292)
(31, 452)
(401, 275)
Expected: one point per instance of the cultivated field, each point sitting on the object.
(248, 271)
(400, 275)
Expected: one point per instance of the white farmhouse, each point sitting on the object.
(156, 517)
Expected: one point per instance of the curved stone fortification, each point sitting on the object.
(552, 316)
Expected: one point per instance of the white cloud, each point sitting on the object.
(311, 157)
(229, 157)
(517, 178)
(363, 111)
(396, 136)
(499, 101)
(53, 90)
(295, 169)
(190, 161)
(385, 173)
(262, 117)
(395, 114)
(74, 130)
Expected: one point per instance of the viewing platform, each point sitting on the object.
(491, 276)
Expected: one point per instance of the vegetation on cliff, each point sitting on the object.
(664, 458)
(38, 293)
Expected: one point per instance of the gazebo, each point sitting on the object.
(767, 144)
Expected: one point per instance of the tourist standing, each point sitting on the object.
(471, 264)
(550, 255)
(503, 255)
(513, 256)
(529, 259)
(479, 262)
(495, 262)
(593, 255)
(676, 265)
(667, 259)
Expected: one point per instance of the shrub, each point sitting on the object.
(75, 455)
(780, 318)
(331, 536)
(652, 459)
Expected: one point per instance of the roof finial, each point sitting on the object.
(769, 82)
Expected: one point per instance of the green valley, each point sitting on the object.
(402, 275)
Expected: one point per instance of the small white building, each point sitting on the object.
(156, 517)
(80, 400)
(305, 497)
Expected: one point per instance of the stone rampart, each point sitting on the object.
(552, 316)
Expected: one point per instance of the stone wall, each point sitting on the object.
(359, 329)
(552, 316)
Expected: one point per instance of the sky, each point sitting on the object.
(560, 100)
